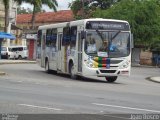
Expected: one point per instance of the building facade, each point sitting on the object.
(29, 33)
(1, 16)
(12, 22)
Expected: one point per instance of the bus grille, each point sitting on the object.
(115, 61)
(107, 71)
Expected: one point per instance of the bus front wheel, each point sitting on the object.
(111, 79)
(72, 72)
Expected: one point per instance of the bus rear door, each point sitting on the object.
(59, 55)
(43, 50)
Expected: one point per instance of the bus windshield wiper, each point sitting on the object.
(99, 34)
(115, 35)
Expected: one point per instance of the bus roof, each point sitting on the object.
(80, 22)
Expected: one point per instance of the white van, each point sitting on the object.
(14, 52)
(18, 52)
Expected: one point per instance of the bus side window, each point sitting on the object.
(48, 37)
(73, 36)
(53, 37)
(66, 36)
(39, 36)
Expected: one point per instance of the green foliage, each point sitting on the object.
(37, 4)
(6, 6)
(84, 8)
(23, 10)
(80, 9)
(104, 4)
(143, 16)
(75, 6)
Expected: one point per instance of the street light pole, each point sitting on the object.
(83, 9)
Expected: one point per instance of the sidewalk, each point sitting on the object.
(154, 79)
(145, 66)
(4, 61)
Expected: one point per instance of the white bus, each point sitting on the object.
(89, 47)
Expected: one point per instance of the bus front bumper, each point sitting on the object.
(100, 72)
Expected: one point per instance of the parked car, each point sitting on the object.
(6, 52)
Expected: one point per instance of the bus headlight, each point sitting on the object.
(90, 64)
(124, 65)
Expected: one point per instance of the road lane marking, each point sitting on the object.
(34, 106)
(19, 81)
(123, 107)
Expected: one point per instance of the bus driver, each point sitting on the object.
(104, 47)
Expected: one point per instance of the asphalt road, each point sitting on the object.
(28, 89)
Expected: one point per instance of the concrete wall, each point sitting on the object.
(136, 56)
(146, 58)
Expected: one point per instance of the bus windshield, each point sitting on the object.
(112, 44)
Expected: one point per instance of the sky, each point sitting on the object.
(62, 5)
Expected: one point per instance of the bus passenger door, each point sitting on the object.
(80, 46)
(43, 50)
(59, 55)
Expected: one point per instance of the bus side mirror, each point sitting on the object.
(83, 34)
(132, 41)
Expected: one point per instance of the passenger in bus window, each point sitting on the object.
(113, 47)
(91, 46)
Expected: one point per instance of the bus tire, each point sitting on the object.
(71, 70)
(47, 67)
(20, 57)
(111, 79)
(8, 57)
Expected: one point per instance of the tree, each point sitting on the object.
(23, 10)
(104, 4)
(77, 8)
(84, 8)
(143, 16)
(37, 4)
(6, 7)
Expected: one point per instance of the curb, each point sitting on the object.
(15, 62)
(18, 62)
(153, 79)
(144, 66)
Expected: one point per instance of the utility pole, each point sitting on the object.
(83, 9)
(9, 24)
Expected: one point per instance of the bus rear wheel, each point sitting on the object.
(71, 71)
(111, 79)
(20, 57)
(47, 67)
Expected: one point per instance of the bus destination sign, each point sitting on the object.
(107, 25)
